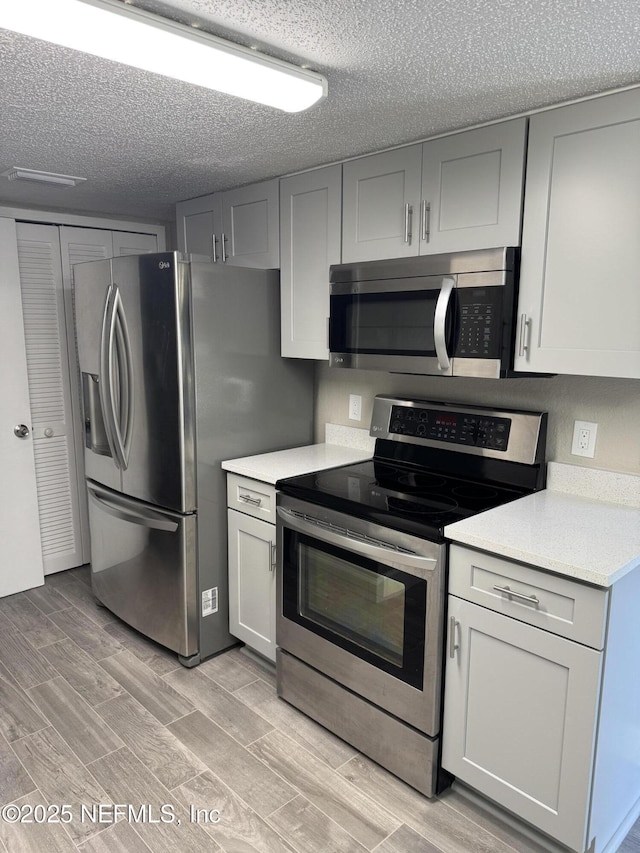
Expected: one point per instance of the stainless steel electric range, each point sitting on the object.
(362, 563)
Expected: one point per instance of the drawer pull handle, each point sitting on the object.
(453, 630)
(525, 331)
(530, 599)
(407, 223)
(249, 500)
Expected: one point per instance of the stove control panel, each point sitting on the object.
(511, 435)
(474, 430)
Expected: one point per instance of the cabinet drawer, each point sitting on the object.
(565, 607)
(251, 497)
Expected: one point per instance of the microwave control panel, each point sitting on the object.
(476, 430)
(480, 322)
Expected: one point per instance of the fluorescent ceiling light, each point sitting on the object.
(123, 33)
(18, 173)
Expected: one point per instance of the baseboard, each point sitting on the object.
(623, 830)
(257, 658)
(510, 819)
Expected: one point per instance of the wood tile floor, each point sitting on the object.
(93, 716)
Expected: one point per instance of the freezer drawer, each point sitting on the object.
(143, 567)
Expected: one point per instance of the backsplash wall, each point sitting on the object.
(614, 404)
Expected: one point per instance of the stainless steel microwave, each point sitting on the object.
(438, 315)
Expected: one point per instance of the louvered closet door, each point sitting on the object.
(49, 391)
(125, 243)
(78, 245)
(47, 254)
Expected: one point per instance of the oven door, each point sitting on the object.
(363, 604)
(402, 325)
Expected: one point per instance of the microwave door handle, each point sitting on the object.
(347, 539)
(440, 322)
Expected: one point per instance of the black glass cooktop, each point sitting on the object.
(399, 496)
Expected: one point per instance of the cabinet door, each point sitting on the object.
(579, 292)
(199, 223)
(472, 189)
(252, 584)
(310, 238)
(381, 198)
(520, 716)
(250, 226)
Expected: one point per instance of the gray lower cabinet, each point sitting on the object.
(252, 561)
(537, 706)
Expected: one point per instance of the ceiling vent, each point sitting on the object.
(17, 173)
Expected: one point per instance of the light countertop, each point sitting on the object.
(590, 540)
(271, 467)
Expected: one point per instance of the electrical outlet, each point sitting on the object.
(355, 407)
(584, 439)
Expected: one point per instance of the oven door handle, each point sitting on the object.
(374, 549)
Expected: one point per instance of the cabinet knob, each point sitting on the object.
(21, 431)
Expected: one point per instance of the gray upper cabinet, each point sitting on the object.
(455, 193)
(239, 227)
(310, 236)
(579, 303)
(251, 227)
(472, 189)
(380, 196)
(199, 225)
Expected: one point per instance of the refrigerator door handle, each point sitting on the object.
(145, 518)
(123, 423)
(104, 382)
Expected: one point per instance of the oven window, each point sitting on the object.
(355, 603)
(376, 612)
(398, 323)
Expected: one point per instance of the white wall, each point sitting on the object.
(614, 404)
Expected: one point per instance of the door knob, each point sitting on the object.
(21, 430)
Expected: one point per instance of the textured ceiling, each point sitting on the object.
(397, 70)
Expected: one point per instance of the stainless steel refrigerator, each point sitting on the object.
(180, 369)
